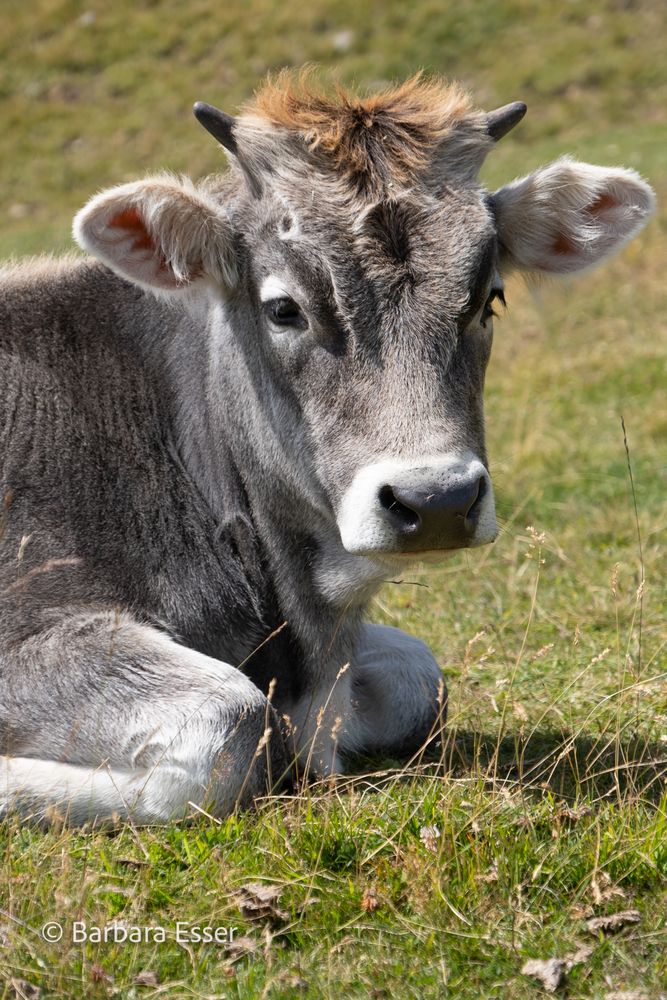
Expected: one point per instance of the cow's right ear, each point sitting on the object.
(160, 233)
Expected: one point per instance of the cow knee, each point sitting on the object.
(399, 690)
(231, 746)
(252, 759)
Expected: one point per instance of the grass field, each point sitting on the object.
(548, 806)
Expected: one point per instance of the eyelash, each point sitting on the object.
(285, 313)
(497, 295)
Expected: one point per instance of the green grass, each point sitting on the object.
(554, 653)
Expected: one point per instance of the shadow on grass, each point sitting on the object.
(559, 763)
(565, 764)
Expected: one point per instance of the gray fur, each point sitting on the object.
(172, 471)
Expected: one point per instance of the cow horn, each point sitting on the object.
(220, 125)
(501, 121)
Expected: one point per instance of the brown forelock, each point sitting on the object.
(374, 141)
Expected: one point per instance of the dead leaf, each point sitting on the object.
(551, 972)
(257, 901)
(369, 901)
(602, 889)
(578, 957)
(613, 922)
(147, 978)
(23, 990)
(490, 875)
(573, 814)
(429, 836)
(98, 974)
(240, 947)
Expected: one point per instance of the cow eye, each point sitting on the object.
(497, 295)
(285, 312)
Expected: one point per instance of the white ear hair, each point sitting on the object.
(570, 216)
(161, 233)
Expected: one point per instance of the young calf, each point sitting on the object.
(221, 435)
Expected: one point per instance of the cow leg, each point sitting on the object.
(102, 716)
(390, 699)
(399, 698)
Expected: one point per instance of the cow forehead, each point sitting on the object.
(431, 247)
(430, 239)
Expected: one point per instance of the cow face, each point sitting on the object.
(359, 261)
(379, 323)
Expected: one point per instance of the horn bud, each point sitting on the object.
(503, 120)
(219, 124)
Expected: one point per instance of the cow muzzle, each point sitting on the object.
(445, 502)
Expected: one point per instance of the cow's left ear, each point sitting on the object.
(161, 233)
(569, 216)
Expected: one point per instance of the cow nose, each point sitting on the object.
(434, 518)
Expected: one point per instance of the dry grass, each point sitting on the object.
(545, 803)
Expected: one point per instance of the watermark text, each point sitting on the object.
(119, 932)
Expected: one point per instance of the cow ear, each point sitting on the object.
(569, 216)
(160, 233)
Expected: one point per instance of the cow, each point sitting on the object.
(257, 398)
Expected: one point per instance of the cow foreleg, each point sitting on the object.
(390, 699)
(399, 697)
(102, 716)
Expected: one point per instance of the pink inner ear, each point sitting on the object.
(563, 246)
(130, 220)
(132, 227)
(602, 203)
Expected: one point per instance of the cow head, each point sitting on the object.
(353, 247)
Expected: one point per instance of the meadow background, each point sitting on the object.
(548, 805)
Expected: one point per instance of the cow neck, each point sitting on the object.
(274, 528)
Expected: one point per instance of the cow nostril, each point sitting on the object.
(447, 513)
(408, 520)
(476, 498)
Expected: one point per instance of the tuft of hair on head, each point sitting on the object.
(375, 141)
